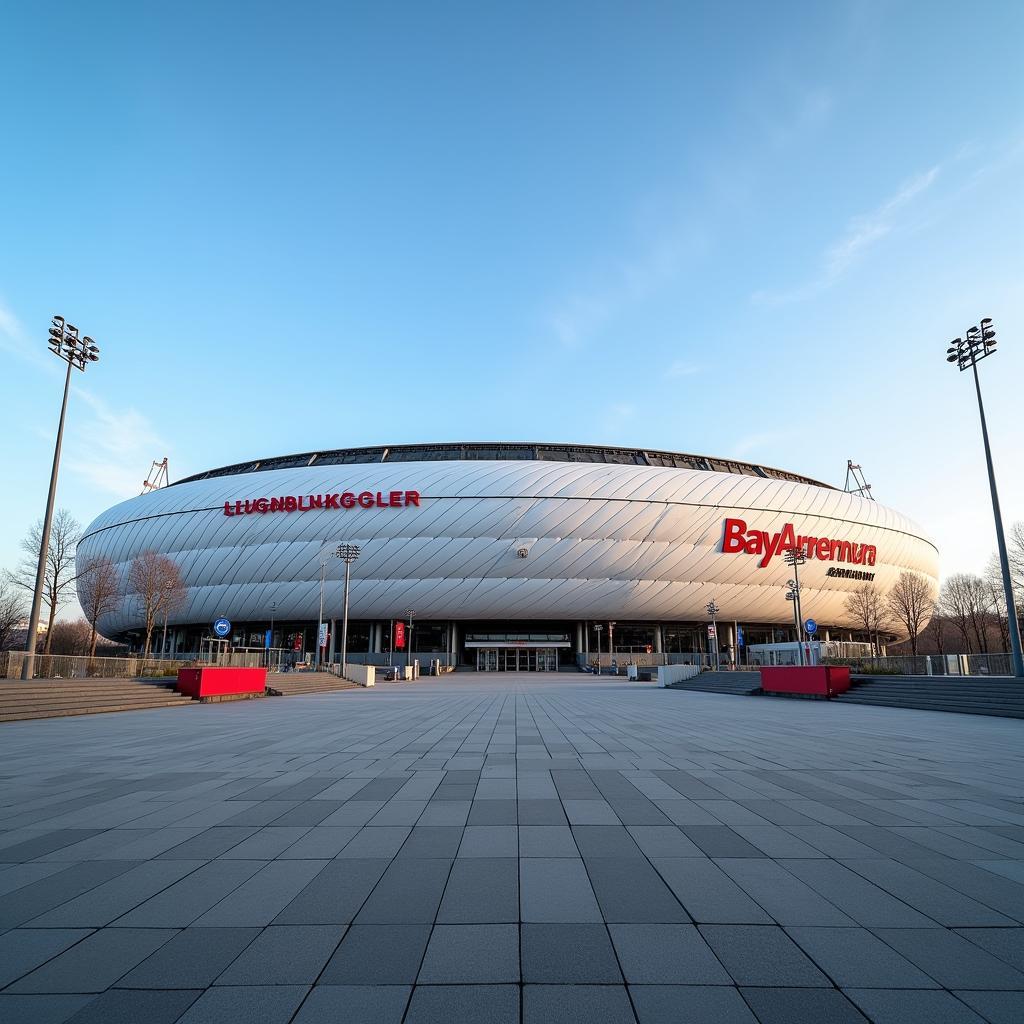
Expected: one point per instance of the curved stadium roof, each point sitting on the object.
(505, 451)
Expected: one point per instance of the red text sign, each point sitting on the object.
(738, 539)
(399, 635)
(308, 502)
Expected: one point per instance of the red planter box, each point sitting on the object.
(819, 680)
(205, 683)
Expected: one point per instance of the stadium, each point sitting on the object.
(505, 556)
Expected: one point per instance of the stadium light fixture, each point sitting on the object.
(348, 553)
(713, 610)
(77, 351)
(979, 343)
(795, 557)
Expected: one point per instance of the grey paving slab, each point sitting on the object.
(788, 900)
(409, 892)
(335, 894)
(664, 841)
(951, 960)
(95, 963)
(24, 949)
(192, 959)
(762, 955)
(1005, 943)
(568, 954)
(887, 1006)
(576, 1004)
(264, 1004)
(481, 890)
(482, 1004)
(666, 954)
(284, 955)
(541, 812)
(378, 955)
(557, 890)
(41, 1009)
(320, 843)
(995, 1007)
(802, 1006)
(36, 898)
(694, 1004)
(210, 843)
(119, 1006)
(376, 841)
(433, 841)
(630, 890)
(605, 841)
(367, 1004)
(180, 904)
(259, 899)
(547, 841)
(493, 812)
(856, 958)
(489, 841)
(707, 893)
(471, 954)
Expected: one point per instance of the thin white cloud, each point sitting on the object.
(682, 368)
(862, 232)
(112, 449)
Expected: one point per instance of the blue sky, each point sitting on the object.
(741, 229)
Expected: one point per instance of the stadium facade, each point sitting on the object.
(509, 554)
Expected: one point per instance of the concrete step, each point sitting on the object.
(957, 707)
(290, 684)
(37, 711)
(739, 683)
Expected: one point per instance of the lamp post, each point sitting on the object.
(597, 629)
(65, 343)
(324, 559)
(795, 557)
(409, 613)
(270, 646)
(713, 610)
(348, 553)
(979, 343)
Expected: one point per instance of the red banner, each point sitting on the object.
(399, 635)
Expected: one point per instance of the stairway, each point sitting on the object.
(740, 683)
(288, 684)
(969, 695)
(56, 698)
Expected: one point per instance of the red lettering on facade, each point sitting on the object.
(365, 499)
(331, 501)
(395, 497)
(290, 504)
(227, 512)
(738, 538)
(412, 499)
(348, 500)
(732, 542)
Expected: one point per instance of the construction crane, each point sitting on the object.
(855, 482)
(157, 477)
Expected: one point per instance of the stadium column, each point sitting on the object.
(330, 640)
(579, 637)
(659, 646)
(730, 637)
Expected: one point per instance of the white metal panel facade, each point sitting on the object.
(626, 542)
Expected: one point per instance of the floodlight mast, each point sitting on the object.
(979, 343)
(77, 351)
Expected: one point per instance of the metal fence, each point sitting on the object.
(67, 666)
(930, 665)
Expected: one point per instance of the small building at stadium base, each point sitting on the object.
(505, 556)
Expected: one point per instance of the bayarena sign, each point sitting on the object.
(505, 541)
(738, 538)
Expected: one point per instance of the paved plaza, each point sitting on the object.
(505, 849)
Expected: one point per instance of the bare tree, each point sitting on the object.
(867, 611)
(60, 565)
(911, 602)
(99, 592)
(73, 637)
(963, 602)
(997, 600)
(13, 611)
(156, 584)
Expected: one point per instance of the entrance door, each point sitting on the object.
(487, 660)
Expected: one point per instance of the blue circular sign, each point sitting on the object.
(811, 626)
(221, 627)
